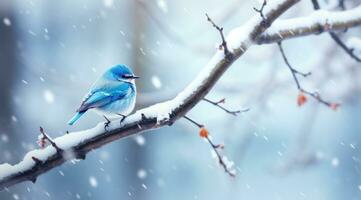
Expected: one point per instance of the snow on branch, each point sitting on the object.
(315, 23)
(76, 145)
(336, 38)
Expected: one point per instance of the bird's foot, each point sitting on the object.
(106, 124)
(123, 118)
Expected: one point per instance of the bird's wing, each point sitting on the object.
(102, 97)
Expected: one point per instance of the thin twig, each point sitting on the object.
(227, 53)
(295, 72)
(341, 4)
(217, 103)
(265, 22)
(215, 148)
(315, 4)
(193, 122)
(36, 160)
(220, 158)
(260, 11)
(48, 138)
(349, 51)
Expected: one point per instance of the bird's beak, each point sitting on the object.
(135, 77)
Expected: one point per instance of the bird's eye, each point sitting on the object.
(126, 76)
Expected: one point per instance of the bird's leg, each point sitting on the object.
(106, 124)
(123, 117)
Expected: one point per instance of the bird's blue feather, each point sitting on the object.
(75, 118)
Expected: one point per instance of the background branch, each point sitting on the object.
(303, 26)
(334, 36)
(294, 72)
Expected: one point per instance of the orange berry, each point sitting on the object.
(301, 99)
(203, 132)
(334, 106)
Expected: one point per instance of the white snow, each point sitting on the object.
(4, 138)
(108, 3)
(48, 96)
(162, 4)
(64, 142)
(14, 118)
(93, 181)
(7, 21)
(156, 82)
(240, 36)
(16, 196)
(335, 162)
(142, 174)
(317, 17)
(61, 173)
(140, 140)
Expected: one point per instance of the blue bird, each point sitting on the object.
(113, 95)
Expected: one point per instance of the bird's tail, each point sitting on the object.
(75, 118)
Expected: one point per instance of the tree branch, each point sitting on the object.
(162, 114)
(217, 104)
(304, 26)
(335, 37)
(223, 46)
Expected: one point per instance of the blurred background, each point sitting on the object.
(52, 51)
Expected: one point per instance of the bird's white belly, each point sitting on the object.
(117, 108)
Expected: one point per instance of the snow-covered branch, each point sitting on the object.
(319, 21)
(76, 145)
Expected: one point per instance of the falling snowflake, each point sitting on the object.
(7, 21)
(335, 162)
(48, 96)
(162, 4)
(142, 174)
(15, 196)
(93, 182)
(140, 140)
(156, 82)
(13, 118)
(108, 3)
(4, 138)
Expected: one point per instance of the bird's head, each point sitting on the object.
(121, 73)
